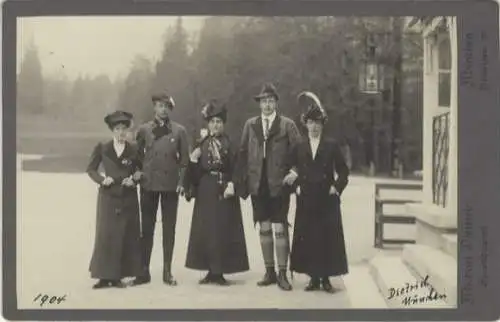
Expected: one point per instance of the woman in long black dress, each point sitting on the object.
(116, 250)
(217, 238)
(318, 248)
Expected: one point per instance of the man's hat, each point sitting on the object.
(213, 109)
(117, 117)
(313, 107)
(268, 90)
(164, 97)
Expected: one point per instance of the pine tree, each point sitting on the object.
(30, 83)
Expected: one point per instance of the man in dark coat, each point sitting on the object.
(165, 155)
(318, 248)
(266, 175)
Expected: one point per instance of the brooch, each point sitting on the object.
(126, 162)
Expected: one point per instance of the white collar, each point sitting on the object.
(270, 117)
(314, 139)
(116, 143)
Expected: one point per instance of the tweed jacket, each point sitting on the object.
(164, 159)
(283, 137)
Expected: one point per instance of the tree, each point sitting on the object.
(57, 95)
(173, 71)
(30, 83)
(135, 94)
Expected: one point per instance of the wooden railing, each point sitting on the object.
(400, 218)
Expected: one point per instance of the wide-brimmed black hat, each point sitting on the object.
(164, 97)
(314, 113)
(268, 90)
(214, 109)
(118, 117)
(313, 107)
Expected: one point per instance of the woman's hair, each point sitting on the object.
(223, 119)
(304, 119)
(126, 123)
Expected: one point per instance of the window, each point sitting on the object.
(444, 70)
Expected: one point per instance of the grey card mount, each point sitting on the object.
(380, 204)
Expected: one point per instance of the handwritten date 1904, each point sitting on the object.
(44, 299)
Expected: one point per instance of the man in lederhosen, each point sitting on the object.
(266, 175)
(165, 153)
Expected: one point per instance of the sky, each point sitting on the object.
(93, 45)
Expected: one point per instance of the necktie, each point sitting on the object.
(266, 128)
(266, 134)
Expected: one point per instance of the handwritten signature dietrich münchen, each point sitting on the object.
(406, 293)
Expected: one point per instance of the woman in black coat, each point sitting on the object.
(217, 239)
(116, 250)
(318, 247)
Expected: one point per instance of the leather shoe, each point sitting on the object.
(139, 280)
(118, 284)
(220, 280)
(207, 279)
(313, 285)
(101, 284)
(169, 279)
(283, 281)
(269, 278)
(327, 287)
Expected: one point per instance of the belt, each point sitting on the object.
(214, 173)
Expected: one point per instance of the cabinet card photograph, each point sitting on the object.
(201, 162)
(249, 162)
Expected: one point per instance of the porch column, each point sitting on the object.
(430, 99)
(453, 143)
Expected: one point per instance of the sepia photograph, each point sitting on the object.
(237, 162)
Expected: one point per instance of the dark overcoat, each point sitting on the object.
(217, 237)
(117, 237)
(318, 247)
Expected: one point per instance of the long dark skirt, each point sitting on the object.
(117, 240)
(217, 239)
(318, 247)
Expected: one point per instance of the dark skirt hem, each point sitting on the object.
(336, 274)
(229, 271)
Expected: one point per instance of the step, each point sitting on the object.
(450, 244)
(431, 224)
(440, 267)
(361, 289)
(390, 274)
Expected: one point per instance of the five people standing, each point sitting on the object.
(272, 161)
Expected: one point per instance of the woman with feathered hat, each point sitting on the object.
(318, 247)
(116, 252)
(217, 238)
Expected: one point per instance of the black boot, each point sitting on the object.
(168, 278)
(220, 280)
(269, 277)
(283, 281)
(314, 285)
(207, 279)
(145, 278)
(327, 287)
(101, 284)
(117, 284)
